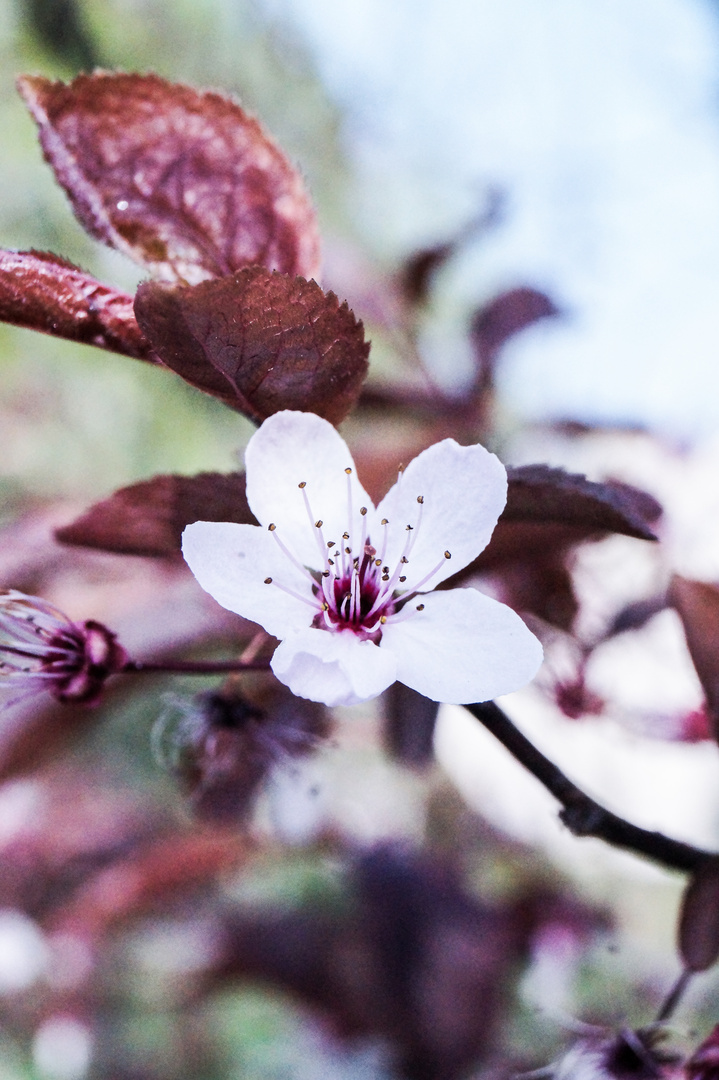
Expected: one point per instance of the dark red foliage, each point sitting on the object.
(182, 181)
(542, 493)
(261, 341)
(493, 324)
(148, 518)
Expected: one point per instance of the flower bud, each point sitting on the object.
(42, 649)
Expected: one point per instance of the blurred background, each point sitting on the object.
(562, 147)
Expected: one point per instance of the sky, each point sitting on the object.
(600, 124)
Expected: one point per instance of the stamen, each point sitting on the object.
(384, 522)
(349, 499)
(420, 500)
(317, 522)
(286, 551)
(405, 612)
(290, 592)
(426, 578)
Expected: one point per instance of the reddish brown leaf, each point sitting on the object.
(548, 512)
(261, 341)
(697, 603)
(182, 181)
(148, 518)
(539, 493)
(44, 292)
(699, 918)
(539, 581)
(417, 275)
(504, 316)
(149, 876)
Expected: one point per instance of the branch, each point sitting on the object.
(581, 814)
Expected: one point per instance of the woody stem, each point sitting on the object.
(582, 815)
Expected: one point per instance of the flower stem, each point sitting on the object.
(674, 997)
(193, 667)
(581, 814)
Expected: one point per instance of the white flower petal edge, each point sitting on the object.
(293, 448)
(347, 588)
(337, 669)
(463, 491)
(463, 647)
(231, 562)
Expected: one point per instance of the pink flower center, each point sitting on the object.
(355, 589)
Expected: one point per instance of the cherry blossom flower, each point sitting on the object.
(347, 587)
(42, 649)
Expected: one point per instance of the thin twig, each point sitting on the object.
(581, 814)
(674, 997)
(193, 667)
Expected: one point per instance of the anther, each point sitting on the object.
(319, 523)
(404, 560)
(420, 607)
(420, 498)
(268, 581)
(448, 554)
(325, 607)
(378, 562)
(348, 471)
(271, 527)
(409, 528)
(385, 577)
(330, 543)
(325, 573)
(345, 536)
(384, 521)
(303, 484)
(348, 551)
(331, 562)
(403, 578)
(383, 619)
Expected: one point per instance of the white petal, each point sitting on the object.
(231, 563)
(463, 647)
(464, 490)
(294, 447)
(336, 668)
